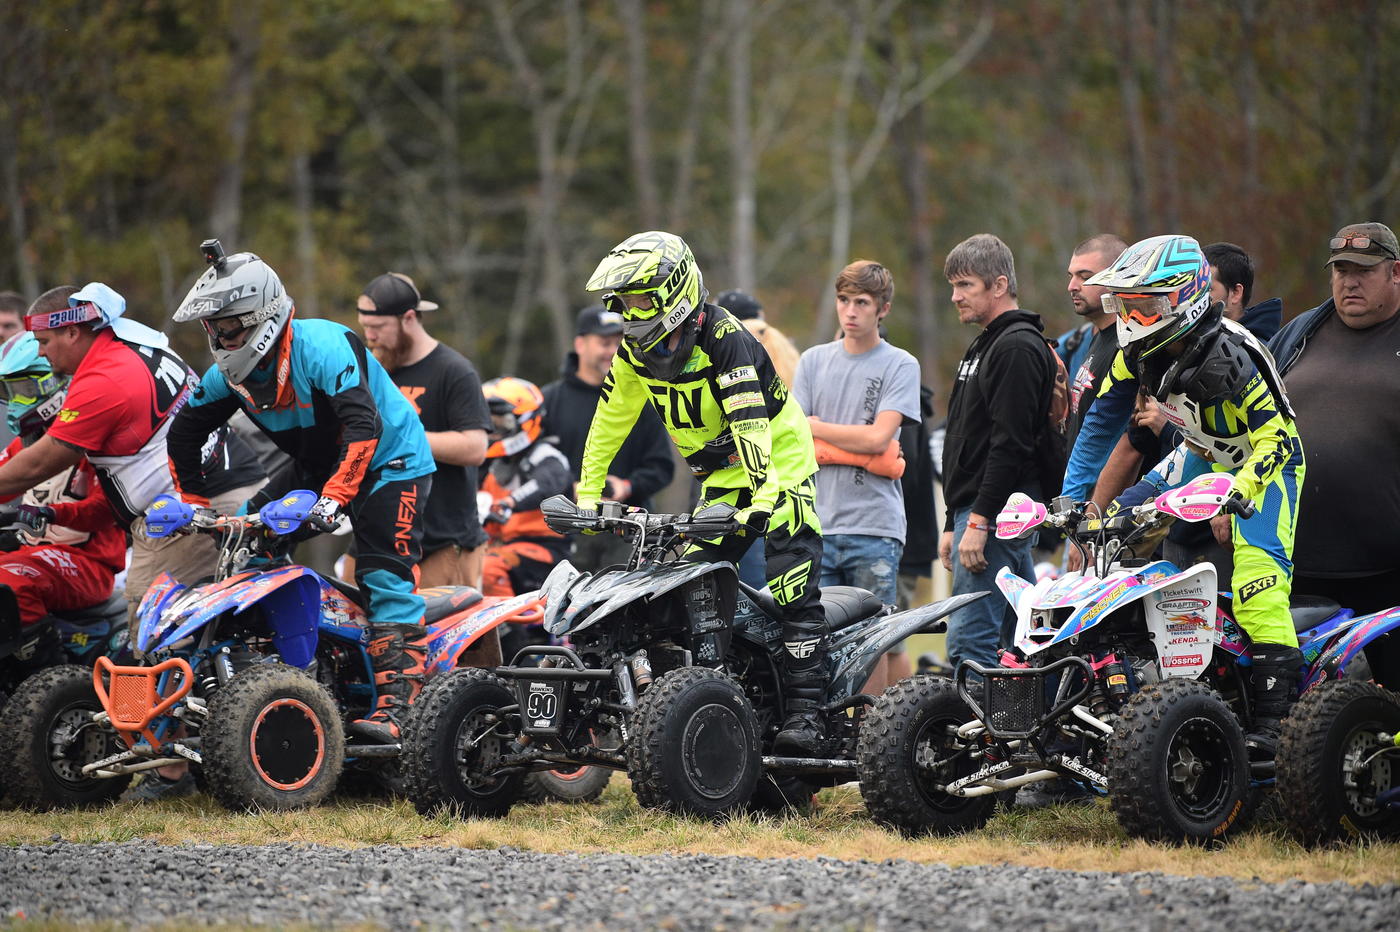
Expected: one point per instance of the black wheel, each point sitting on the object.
(908, 749)
(1177, 766)
(694, 747)
(453, 743)
(272, 740)
(47, 736)
(1332, 762)
(778, 794)
(566, 784)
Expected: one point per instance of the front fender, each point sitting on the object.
(604, 595)
(856, 650)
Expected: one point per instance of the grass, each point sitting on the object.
(1078, 838)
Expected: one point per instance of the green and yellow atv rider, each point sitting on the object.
(740, 431)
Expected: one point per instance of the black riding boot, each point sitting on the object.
(1275, 681)
(804, 730)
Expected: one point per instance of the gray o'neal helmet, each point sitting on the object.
(239, 286)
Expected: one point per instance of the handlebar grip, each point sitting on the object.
(1239, 506)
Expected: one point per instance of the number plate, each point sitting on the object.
(541, 706)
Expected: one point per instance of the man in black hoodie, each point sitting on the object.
(641, 468)
(996, 416)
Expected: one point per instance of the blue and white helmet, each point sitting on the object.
(1159, 289)
(244, 287)
(33, 392)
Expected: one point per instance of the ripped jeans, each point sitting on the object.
(862, 560)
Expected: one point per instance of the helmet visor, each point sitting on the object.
(27, 389)
(1143, 309)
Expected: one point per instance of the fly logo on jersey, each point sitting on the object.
(679, 405)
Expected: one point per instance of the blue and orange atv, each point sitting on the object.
(249, 677)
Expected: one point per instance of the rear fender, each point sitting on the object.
(455, 634)
(290, 597)
(1182, 614)
(1332, 662)
(854, 652)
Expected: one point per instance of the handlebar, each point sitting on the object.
(563, 515)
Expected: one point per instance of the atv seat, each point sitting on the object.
(442, 601)
(346, 589)
(844, 605)
(113, 608)
(1309, 611)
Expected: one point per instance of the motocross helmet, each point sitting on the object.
(241, 296)
(517, 410)
(33, 392)
(1159, 289)
(651, 279)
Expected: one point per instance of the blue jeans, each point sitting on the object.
(976, 631)
(753, 566)
(861, 560)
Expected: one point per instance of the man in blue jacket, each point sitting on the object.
(314, 389)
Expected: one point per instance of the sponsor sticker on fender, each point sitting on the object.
(1184, 660)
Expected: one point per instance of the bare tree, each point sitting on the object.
(632, 13)
(743, 160)
(226, 213)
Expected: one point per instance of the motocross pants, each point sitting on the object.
(1263, 576)
(52, 578)
(793, 553)
(388, 545)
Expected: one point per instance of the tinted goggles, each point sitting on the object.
(1144, 309)
(27, 389)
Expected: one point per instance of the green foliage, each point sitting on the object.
(419, 136)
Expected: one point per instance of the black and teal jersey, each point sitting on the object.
(727, 411)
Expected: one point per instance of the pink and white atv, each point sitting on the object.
(1129, 677)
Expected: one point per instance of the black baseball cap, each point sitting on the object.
(596, 319)
(1365, 244)
(395, 294)
(740, 303)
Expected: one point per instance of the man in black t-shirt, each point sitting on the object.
(445, 390)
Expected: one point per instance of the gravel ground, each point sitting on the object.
(139, 882)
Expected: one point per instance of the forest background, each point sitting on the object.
(495, 150)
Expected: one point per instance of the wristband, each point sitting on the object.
(974, 526)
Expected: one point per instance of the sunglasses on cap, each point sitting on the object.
(1358, 241)
(1144, 309)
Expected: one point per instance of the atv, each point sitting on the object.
(670, 672)
(250, 677)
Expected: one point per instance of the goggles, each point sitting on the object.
(233, 328)
(632, 306)
(27, 389)
(65, 316)
(1144, 309)
(1358, 241)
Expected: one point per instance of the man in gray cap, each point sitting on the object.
(1341, 363)
(445, 390)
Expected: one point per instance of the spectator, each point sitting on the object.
(1232, 284)
(920, 521)
(996, 413)
(442, 386)
(73, 548)
(126, 385)
(315, 391)
(749, 312)
(857, 391)
(641, 468)
(1348, 530)
(1089, 350)
(12, 308)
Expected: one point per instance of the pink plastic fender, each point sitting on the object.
(1020, 515)
(1198, 500)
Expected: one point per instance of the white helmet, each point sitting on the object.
(245, 288)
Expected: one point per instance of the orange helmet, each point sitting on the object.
(517, 407)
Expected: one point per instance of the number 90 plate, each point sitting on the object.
(541, 706)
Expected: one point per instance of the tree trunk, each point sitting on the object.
(225, 217)
(307, 294)
(913, 177)
(1125, 25)
(743, 159)
(633, 16)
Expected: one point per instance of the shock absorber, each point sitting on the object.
(1109, 670)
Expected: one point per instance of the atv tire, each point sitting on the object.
(583, 784)
(1177, 766)
(453, 741)
(272, 739)
(1325, 793)
(907, 749)
(47, 736)
(694, 747)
